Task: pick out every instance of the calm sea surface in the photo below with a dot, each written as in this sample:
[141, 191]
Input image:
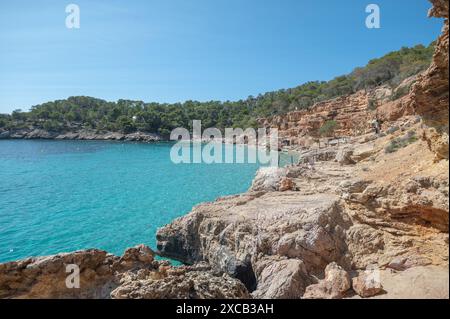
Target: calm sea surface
[61, 196]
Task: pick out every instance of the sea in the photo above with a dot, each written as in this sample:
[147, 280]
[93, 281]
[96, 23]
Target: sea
[63, 196]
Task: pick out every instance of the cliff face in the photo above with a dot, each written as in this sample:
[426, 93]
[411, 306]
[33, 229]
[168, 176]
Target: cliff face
[430, 93]
[101, 275]
[376, 202]
[349, 111]
[376, 209]
[352, 113]
[429, 96]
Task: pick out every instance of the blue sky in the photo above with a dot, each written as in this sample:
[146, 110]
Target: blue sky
[176, 50]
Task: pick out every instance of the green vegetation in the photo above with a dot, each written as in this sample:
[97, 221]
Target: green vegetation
[128, 116]
[400, 92]
[401, 142]
[372, 105]
[328, 128]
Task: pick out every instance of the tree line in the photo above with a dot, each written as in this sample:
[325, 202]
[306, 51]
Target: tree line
[128, 116]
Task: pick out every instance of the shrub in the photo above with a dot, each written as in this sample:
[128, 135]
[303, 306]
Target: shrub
[401, 142]
[328, 128]
[125, 124]
[51, 125]
[392, 129]
[400, 92]
[372, 106]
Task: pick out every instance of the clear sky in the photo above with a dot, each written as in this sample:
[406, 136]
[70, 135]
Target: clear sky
[176, 50]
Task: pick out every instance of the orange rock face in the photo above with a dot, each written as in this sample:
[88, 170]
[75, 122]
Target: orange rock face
[429, 96]
[350, 112]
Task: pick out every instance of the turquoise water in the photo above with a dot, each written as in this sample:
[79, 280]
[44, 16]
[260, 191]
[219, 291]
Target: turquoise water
[61, 196]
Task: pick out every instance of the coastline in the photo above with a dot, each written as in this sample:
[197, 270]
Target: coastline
[88, 135]
[365, 220]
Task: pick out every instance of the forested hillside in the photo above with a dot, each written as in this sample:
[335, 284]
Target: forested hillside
[128, 116]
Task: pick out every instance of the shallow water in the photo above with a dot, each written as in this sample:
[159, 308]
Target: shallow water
[61, 196]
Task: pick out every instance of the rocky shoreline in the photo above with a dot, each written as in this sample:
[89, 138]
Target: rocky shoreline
[87, 135]
[297, 224]
[135, 275]
[362, 219]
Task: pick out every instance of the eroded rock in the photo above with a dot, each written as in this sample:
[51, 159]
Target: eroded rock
[281, 279]
[368, 283]
[198, 282]
[334, 286]
[101, 275]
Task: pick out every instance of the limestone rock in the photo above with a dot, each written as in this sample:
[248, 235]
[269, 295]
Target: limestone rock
[80, 134]
[429, 96]
[134, 275]
[363, 151]
[137, 257]
[318, 155]
[197, 282]
[45, 277]
[281, 279]
[367, 284]
[286, 184]
[343, 156]
[350, 112]
[235, 234]
[334, 286]
[268, 179]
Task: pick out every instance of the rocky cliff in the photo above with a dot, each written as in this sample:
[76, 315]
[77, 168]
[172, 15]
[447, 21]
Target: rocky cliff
[352, 113]
[316, 230]
[429, 96]
[361, 218]
[135, 275]
[366, 209]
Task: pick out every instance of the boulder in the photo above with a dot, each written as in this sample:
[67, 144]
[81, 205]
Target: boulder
[368, 283]
[281, 279]
[363, 152]
[343, 156]
[268, 179]
[186, 282]
[318, 155]
[334, 286]
[5, 135]
[286, 184]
